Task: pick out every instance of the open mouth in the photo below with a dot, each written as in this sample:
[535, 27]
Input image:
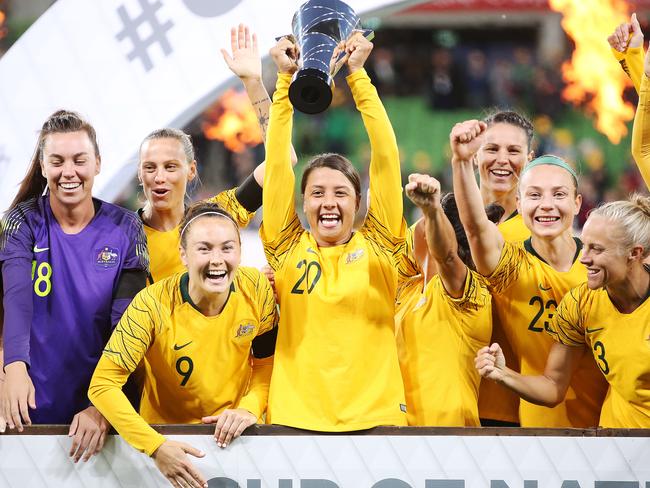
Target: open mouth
[216, 276]
[592, 272]
[329, 220]
[547, 219]
[70, 186]
[501, 173]
[160, 192]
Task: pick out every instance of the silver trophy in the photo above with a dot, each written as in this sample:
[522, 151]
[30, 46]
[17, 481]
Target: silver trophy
[318, 27]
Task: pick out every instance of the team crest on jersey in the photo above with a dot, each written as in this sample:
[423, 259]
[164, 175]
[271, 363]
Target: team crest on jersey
[245, 329]
[107, 257]
[354, 256]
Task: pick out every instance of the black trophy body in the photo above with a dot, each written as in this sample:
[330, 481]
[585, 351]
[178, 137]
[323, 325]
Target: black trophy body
[318, 26]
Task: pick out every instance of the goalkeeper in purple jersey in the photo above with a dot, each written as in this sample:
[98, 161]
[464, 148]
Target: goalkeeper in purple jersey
[70, 266]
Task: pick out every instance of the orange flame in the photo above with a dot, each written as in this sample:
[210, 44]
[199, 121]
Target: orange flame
[3, 30]
[591, 75]
[232, 120]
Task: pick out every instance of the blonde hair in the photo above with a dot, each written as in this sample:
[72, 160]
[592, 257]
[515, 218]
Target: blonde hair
[633, 219]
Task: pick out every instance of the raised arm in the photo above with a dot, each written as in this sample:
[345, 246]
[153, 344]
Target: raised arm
[548, 389]
[385, 175]
[424, 191]
[485, 240]
[627, 47]
[641, 128]
[279, 179]
[246, 63]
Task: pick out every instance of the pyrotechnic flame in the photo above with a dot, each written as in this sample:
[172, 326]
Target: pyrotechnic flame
[3, 30]
[232, 120]
[592, 76]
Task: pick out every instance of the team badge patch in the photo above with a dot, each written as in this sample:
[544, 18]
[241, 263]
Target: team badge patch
[244, 330]
[107, 257]
[354, 256]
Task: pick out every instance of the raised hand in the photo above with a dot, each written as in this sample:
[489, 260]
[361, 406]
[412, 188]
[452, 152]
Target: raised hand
[626, 35]
[230, 424]
[245, 61]
[490, 362]
[357, 50]
[172, 461]
[466, 138]
[423, 191]
[19, 395]
[285, 55]
[88, 431]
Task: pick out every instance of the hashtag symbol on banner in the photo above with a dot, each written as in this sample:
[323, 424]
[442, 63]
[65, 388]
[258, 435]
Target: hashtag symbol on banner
[141, 45]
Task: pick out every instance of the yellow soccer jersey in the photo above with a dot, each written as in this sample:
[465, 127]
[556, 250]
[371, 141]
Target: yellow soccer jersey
[496, 402]
[437, 340]
[525, 293]
[641, 131]
[194, 365]
[632, 63]
[620, 344]
[164, 254]
[336, 365]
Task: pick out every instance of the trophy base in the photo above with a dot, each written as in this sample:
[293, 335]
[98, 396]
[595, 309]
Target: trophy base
[310, 91]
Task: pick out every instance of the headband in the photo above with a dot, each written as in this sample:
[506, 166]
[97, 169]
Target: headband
[549, 159]
[221, 214]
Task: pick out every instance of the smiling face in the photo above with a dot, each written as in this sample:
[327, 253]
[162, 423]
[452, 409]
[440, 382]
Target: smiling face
[165, 172]
[606, 261]
[330, 204]
[548, 201]
[211, 254]
[69, 164]
[502, 157]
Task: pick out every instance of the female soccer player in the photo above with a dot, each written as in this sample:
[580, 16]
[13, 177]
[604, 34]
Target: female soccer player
[610, 314]
[204, 338]
[528, 279]
[440, 321]
[70, 266]
[505, 150]
[336, 366]
[167, 166]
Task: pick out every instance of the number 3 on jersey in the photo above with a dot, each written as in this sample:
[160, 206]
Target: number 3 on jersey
[308, 279]
[43, 282]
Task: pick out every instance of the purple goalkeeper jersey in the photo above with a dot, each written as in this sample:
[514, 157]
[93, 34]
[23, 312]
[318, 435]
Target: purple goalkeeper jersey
[74, 279]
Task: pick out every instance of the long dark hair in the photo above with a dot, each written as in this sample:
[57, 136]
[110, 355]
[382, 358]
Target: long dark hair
[448, 202]
[61, 121]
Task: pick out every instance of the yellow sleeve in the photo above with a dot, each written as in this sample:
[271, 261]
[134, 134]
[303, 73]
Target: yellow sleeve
[280, 225]
[256, 397]
[475, 295]
[385, 175]
[409, 266]
[641, 131]
[632, 63]
[227, 200]
[267, 305]
[566, 326]
[106, 394]
[507, 271]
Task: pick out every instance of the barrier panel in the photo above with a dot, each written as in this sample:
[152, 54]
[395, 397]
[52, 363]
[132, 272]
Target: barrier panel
[385, 457]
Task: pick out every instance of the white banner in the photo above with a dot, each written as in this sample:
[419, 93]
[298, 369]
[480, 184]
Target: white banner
[344, 461]
[128, 66]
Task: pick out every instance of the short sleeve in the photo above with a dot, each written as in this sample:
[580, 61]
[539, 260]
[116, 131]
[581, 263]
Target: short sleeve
[227, 200]
[475, 294]
[566, 327]
[267, 306]
[135, 331]
[513, 257]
